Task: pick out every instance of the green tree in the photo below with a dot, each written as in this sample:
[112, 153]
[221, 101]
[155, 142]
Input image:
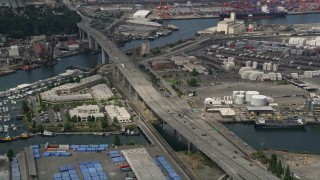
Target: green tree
[56, 108]
[10, 154]
[194, 72]
[68, 126]
[90, 118]
[104, 124]
[116, 140]
[115, 119]
[279, 169]
[40, 128]
[287, 174]
[193, 82]
[34, 124]
[210, 71]
[273, 163]
[131, 142]
[24, 106]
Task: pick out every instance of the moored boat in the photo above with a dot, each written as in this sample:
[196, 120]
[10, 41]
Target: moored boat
[8, 138]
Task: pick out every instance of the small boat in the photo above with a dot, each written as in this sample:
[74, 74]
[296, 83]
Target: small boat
[14, 128]
[1, 129]
[98, 133]
[25, 135]
[8, 138]
[12, 125]
[47, 133]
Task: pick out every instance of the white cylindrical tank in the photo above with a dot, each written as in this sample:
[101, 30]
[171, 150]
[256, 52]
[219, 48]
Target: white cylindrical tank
[269, 66]
[249, 94]
[254, 65]
[258, 100]
[208, 101]
[248, 63]
[275, 67]
[264, 67]
[239, 99]
[235, 93]
[270, 100]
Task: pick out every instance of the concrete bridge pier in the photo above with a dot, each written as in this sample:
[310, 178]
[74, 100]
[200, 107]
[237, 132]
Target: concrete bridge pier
[179, 137]
[189, 147]
[90, 42]
[103, 56]
[96, 45]
[80, 33]
[83, 35]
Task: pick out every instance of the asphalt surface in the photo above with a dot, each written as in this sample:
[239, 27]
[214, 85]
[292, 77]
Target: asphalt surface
[191, 126]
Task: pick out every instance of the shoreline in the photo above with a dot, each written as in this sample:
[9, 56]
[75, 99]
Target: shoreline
[217, 16]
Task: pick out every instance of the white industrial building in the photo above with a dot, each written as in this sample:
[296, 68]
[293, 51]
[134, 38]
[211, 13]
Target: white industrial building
[14, 51]
[86, 110]
[68, 92]
[101, 92]
[143, 21]
[200, 69]
[231, 25]
[120, 112]
[141, 14]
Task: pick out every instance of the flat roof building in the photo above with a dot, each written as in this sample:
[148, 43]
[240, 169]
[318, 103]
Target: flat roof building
[120, 112]
[101, 92]
[259, 110]
[141, 14]
[67, 92]
[142, 164]
[86, 110]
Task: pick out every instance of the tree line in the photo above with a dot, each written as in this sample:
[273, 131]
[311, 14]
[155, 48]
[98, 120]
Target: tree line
[20, 23]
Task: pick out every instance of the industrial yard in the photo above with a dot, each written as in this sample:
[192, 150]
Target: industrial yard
[93, 161]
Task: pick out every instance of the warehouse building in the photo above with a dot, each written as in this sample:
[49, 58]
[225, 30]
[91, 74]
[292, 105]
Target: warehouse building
[119, 112]
[101, 92]
[259, 111]
[68, 93]
[85, 111]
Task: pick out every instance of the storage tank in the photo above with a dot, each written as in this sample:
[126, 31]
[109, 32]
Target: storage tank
[275, 67]
[239, 99]
[254, 65]
[208, 101]
[249, 94]
[235, 93]
[258, 100]
[264, 67]
[248, 63]
[269, 66]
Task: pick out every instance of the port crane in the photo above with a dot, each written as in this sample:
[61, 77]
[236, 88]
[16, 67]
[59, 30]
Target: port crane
[163, 11]
[49, 59]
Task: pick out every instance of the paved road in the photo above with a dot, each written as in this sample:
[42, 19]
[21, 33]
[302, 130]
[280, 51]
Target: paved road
[193, 128]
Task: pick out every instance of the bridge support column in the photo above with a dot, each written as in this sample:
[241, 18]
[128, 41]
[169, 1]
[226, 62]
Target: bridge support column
[163, 125]
[179, 137]
[80, 33]
[103, 56]
[96, 45]
[83, 35]
[189, 147]
[90, 42]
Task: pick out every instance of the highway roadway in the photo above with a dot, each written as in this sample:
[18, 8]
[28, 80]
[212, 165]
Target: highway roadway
[192, 127]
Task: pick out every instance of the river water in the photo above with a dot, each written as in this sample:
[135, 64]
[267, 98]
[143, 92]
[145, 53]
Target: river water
[187, 29]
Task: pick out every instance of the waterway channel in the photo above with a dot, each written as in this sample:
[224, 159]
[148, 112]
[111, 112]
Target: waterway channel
[188, 28]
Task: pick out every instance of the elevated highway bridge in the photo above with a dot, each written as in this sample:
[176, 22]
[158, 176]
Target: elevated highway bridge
[176, 113]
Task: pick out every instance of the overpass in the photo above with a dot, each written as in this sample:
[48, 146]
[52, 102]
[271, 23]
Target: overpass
[176, 113]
